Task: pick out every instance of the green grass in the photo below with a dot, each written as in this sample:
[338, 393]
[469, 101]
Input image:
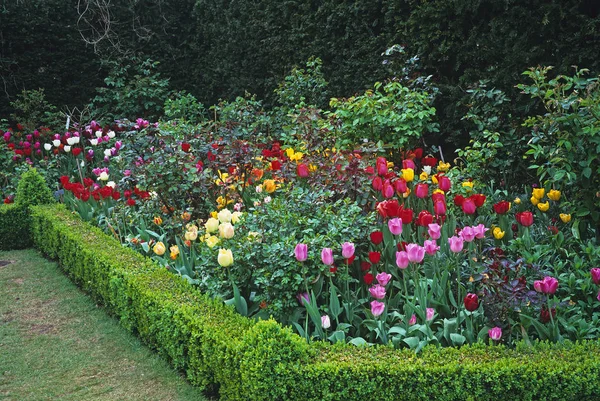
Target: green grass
[56, 344]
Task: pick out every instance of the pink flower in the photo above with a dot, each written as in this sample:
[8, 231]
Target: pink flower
[598, 297]
[347, 250]
[549, 285]
[434, 231]
[431, 247]
[595, 272]
[416, 253]
[413, 320]
[377, 291]
[395, 226]
[430, 313]
[537, 285]
[402, 259]
[480, 230]
[468, 206]
[456, 244]
[495, 333]
[439, 208]
[327, 256]
[467, 234]
[303, 297]
[388, 190]
[301, 252]
[377, 308]
[421, 190]
[325, 322]
[408, 163]
[383, 278]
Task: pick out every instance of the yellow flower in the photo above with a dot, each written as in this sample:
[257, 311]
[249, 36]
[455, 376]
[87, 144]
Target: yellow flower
[225, 257]
[408, 174]
[226, 230]
[224, 216]
[565, 217]
[192, 233]
[423, 176]
[159, 249]
[517, 201]
[235, 217]
[405, 194]
[211, 225]
[294, 156]
[213, 214]
[222, 202]
[212, 241]
[443, 166]
[222, 178]
[253, 236]
[434, 179]
[468, 185]
[390, 165]
[174, 251]
[158, 221]
[554, 195]
[269, 186]
[438, 191]
[534, 200]
[498, 233]
[312, 168]
[538, 193]
[543, 206]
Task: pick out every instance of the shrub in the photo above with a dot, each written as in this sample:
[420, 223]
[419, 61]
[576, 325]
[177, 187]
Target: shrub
[14, 230]
[33, 190]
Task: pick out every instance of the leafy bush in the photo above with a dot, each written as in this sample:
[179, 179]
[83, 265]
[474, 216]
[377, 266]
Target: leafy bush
[14, 227]
[32, 111]
[33, 190]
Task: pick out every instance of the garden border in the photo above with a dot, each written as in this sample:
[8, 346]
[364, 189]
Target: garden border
[222, 351]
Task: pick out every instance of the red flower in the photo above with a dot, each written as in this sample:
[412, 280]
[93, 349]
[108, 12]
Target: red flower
[524, 218]
[332, 269]
[302, 170]
[76, 151]
[377, 237]
[429, 161]
[370, 170]
[471, 302]
[106, 191]
[374, 257]
[389, 209]
[364, 266]
[478, 199]
[444, 183]
[406, 215]
[350, 260]
[127, 193]
[425, 218]
[553, 229]
[130, 202]
[501, 207]
[387, 191]
[377, 183]
[382, 168]
[368, 278]
[275, 165]
[439, 208]
[85, 195]
[422, 190]
[458, 200]
[88, 182]
[545, 315]
[400, 186]
[185, 147]
[64, 180]
[116, 195]
[468, 206]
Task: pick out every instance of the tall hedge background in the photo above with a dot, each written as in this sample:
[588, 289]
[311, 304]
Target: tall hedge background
[222, 48]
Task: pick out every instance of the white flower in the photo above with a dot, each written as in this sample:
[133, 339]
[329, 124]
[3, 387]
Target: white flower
[56, 143]
[94, 142]
[67, 148]
[267, 199]
[47, 146]
[71, 141]
[76, 140]
[111, 134]
[83, 163]
[427, 169]
[107, 152]
[103, 176]
[111, 184]
[98, 134]
[258, 189]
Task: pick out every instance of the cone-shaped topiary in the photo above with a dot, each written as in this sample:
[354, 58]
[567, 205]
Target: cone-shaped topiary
[33, 190]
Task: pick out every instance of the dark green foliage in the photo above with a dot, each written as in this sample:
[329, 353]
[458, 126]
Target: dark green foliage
[33, 190]
[14, 230]
[32, 111]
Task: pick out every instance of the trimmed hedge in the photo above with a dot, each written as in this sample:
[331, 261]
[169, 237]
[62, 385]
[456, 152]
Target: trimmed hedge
[14, 227]
[242, 360]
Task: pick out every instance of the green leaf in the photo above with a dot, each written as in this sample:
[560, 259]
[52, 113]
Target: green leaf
[457, 339]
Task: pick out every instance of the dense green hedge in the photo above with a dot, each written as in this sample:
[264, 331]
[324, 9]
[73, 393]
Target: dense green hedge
[225, 352]
[14, 227]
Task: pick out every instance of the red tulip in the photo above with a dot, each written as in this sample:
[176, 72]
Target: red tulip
[368, 278]
[424, 219]
[374, 257]
[444, 183]
[468, 206]
[545, 315]
[382, 168]
[377, 184]
[407, 163]
[458, 200]
[302, 170]
[478, 199]
[377, 237]
[364, 266]
[471, 302]
[185, 147]
[429, 161]
[387, 191]
[400, 186]
[406, 215]
[390, 208]
[502, 207]
[524, 218]
[439, 208]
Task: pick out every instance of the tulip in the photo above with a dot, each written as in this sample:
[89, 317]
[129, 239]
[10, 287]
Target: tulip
[459, 200]
[377, 308]
[374, 257]
[538, 193]
[430, 312]
[327, 256]
[400, 186]
[368, 278]
[224, 216]
[303, 297]
[376, 237]
[236, 217]
[554, 195]
[415, 252]
[347, 250]
[226, 230]
[534, 201]
[468, 185]
[434, 231]
[422, 190]
[388, 190]
[502, 207]
[402, 259]
[413, 320]
[212, 241]
[408, 174]
[456, 244]
[431, 247]
[395, 226]
[377, 183]
[495, 333]
[498, 233]
[47, 146]
[468, 206]
[211, 225]
[174, 252]
[382, 167]
[56, 143]
[595, 272]
[548, 285]
[325, 322]
[383, 278]
[302, 171]
[524, 218]
[159, 248]
[377, 291]
[444, 183]
[158, 221]
[545, 315]
[443, 166]
[565, 218]
[598, 297]
[269, 186]
[480, 230]
[471, 302]
[424, 218]
[439, 208]
[225, 257]
[467, 234]
[543, 206]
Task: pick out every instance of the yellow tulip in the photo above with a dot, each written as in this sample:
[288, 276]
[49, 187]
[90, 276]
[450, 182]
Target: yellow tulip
[565, 217]
[226, 230]
[390, 165]
[192, 234]
[517, 201]
[434, 179]
[174, 251]
[225, 257]
[408, 174]
[498, 233]
[443, 166]
[159, 249]
[269, 186]
[534, 200]
[554, 195]
[235, 217]
[158, 221]
[211, 225]
[254, 236]
[312, 168]
[468, 185]
[423, 176]
[212, 241]
[543, 206]
[438, 191]
[538, 193]
[224, 216]
[405, 194]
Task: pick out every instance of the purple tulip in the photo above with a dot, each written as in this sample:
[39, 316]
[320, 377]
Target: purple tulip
[402, 259]
[383, 278]
[377, 291]
[327, 256]
[301, 252]
[431, 247]
[595, 272]
[495, 333]
[456, 244]
[434, 231]
[395, 226]
[347, 250]
[430, 312]
[415, 252]
[377, 308]
[303, 297]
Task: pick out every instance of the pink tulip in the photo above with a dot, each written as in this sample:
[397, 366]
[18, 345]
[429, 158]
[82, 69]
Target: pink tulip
[537, 285]
[421, 190]
[395, 226]
[431, 247]
[303, 297]
[444, 183]
[382, 168]
[400, 186]
[595, 272]
[416, 253]
[388, 190]
[434, 231]
[383, 278]
[301, 252]
[377, 184]
[468, 206]
[598, 297]
[467, 234]
[325, 322]
[430, 313]
[347, 250]
[377, 308]
[495, 333]
[327, 256]
[377, 291]
[402, 259]
[413, 320]
[456, 244]
[408, 163]
[549, 285]
[439, 208]
[480, 230]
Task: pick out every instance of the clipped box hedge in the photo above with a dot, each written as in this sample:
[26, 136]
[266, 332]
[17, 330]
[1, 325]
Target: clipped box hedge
[223, 352]
[14, 227]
